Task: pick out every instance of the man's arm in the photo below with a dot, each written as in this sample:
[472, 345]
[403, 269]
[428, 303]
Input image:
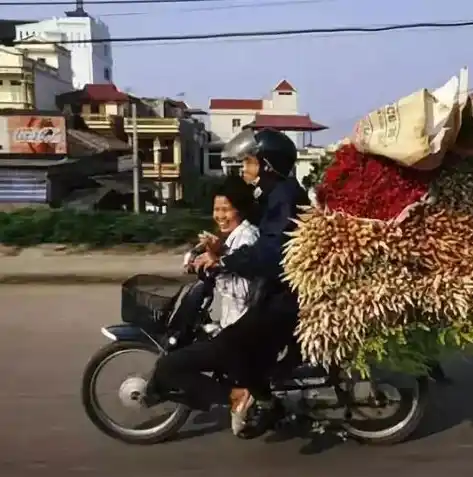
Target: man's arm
[262, 259]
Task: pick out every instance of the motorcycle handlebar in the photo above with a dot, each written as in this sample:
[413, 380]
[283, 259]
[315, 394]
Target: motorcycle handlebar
[208, 275]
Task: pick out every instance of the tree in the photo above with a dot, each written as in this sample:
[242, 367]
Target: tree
[317, 171]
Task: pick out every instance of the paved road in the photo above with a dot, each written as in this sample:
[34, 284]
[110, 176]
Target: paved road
[46, 337]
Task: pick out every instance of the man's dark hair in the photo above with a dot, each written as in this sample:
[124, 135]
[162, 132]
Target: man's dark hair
[240, 195]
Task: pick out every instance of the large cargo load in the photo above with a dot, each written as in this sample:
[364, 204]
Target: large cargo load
[383, 263]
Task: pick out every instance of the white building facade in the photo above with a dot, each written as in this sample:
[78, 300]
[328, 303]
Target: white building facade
[31, 75]
[228, 116]
[91, 62]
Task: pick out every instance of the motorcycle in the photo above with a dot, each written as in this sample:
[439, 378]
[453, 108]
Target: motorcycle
[384, 409]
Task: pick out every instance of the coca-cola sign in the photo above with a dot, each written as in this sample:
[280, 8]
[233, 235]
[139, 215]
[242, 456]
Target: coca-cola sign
[47, 135]
[27, 134]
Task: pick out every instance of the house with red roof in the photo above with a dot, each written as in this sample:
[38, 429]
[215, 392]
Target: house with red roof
[228, 116]
[170, 138]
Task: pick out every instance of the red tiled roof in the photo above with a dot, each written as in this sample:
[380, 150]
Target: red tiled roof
[252, 104]
[285, 122]
[104, 93]
[284, 85]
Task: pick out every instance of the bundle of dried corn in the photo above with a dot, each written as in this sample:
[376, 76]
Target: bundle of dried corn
[360, 281]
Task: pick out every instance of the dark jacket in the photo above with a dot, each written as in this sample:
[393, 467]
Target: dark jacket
[258, 336]
[263, 258]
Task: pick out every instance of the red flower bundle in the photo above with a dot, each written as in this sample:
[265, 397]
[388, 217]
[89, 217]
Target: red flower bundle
[364, 185]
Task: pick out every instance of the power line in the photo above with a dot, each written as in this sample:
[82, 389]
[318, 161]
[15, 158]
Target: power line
[258, 4]
[263, 33]
[101, 2]
[225, 6]
[263, 39]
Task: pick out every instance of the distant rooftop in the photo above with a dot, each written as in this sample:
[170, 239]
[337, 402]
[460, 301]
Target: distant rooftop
[285, 122]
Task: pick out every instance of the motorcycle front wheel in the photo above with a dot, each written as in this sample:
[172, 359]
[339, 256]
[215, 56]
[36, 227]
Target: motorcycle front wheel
[398, 419]
[130, 393]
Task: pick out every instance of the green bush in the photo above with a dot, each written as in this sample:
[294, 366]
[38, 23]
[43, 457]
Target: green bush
[411, 349]
[28, 227]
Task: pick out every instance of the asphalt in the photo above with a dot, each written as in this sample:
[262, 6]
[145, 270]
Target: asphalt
[48, 333]
[33, 266]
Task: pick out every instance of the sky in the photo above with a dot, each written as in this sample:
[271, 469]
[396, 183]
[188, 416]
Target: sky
[339, 78]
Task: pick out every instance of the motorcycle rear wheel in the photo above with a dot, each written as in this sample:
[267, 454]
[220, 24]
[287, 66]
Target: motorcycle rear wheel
[415, 404]
[103, 422]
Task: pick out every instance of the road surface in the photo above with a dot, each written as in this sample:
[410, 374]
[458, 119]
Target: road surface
[46, 337]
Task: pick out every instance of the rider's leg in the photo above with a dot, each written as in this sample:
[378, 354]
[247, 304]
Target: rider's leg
[256, 410]
[261, 413]
[182, 370]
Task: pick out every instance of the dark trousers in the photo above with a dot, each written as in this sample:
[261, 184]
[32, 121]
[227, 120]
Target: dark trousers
[183, 370]
[244, 352]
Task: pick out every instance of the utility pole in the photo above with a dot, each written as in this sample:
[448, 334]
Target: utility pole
[136, 163]
[160, 180]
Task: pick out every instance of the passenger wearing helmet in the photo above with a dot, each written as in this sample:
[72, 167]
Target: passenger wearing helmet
[268, 158]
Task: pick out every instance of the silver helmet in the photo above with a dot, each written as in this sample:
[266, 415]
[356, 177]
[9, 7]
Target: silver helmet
[275, 151]
[242, 145]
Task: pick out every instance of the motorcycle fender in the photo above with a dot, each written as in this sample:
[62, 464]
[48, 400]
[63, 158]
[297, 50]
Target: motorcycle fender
[126, 332]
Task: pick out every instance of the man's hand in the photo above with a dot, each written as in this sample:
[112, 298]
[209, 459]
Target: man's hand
[205, 261]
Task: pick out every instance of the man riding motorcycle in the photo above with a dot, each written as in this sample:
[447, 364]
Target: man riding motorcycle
[249, 348]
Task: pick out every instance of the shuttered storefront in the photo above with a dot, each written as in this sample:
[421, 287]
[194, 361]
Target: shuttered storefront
[18, 186]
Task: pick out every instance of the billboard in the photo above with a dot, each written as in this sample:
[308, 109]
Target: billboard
[33, 134]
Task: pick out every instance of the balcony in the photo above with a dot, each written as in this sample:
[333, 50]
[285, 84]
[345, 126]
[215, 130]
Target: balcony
[153, 125]
[97, 122]
[168, 171]
[311, 153]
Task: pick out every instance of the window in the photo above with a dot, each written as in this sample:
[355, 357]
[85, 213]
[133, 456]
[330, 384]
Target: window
[106, 50]
[41, 60]
[236, 123]
[1, 82]
[94, 108]
[215, 161]
[106, 74]
[15, 83]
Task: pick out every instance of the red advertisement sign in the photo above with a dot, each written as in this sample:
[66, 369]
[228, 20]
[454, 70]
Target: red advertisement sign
[33, 135]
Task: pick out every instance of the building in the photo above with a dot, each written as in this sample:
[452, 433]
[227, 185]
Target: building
[227, 117]
[47, 159]
[91, 62]
[32, 74]
[171, 141]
